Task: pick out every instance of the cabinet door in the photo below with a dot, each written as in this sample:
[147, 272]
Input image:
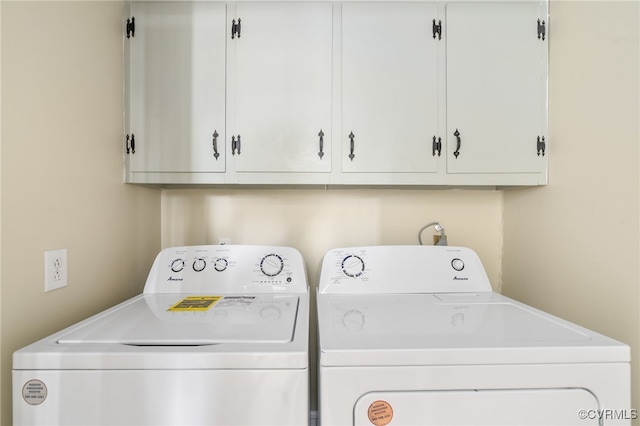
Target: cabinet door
[177, 87]
[282, 87]
[390, 87]
[496, 87]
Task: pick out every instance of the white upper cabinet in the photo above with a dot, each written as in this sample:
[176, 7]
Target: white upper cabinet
[389, 87]
[496, 88]
[280, 87]
[446, 93]
[176, 85]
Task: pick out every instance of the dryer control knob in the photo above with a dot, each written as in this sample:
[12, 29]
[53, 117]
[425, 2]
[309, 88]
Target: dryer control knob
[352, 266]
[457, 264]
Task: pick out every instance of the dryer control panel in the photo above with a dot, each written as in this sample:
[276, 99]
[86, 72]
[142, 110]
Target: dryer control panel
[228, 269]
[402, 269]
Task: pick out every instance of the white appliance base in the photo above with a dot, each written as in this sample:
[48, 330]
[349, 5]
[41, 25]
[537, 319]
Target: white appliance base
[163, 397]
[549, 394]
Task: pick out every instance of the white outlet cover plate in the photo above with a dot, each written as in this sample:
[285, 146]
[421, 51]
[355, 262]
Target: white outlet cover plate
[55, 269]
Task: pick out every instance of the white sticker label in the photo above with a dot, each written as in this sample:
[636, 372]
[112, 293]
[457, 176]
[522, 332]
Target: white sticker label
[236, 301]
[34, 392]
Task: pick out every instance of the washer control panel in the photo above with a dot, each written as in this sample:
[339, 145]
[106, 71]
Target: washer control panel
[227, 268]
[402, 269]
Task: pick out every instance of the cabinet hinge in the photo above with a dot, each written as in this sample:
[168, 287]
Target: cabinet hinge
[236, 27]
[542, 30]
[542, 146]
[131, 144]
[437, 29]
[131, 27]
[436, 146]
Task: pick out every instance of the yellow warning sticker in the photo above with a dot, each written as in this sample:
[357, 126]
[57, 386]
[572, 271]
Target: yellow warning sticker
[195, 304]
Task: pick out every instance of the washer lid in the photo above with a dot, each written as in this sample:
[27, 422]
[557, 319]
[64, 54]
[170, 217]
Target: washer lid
[193, 320]
[446, 329]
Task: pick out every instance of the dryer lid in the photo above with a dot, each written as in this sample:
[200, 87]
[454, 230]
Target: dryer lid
[193, 320]
[460, 328]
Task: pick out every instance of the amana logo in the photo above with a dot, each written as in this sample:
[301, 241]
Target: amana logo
[456, 278]
[175, 279]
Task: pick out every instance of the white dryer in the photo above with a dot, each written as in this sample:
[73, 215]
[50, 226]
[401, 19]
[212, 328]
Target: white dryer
[219, 336]
[414, 335]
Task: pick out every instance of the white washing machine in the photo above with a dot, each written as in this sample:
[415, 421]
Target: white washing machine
[414, 335]
[218, 337]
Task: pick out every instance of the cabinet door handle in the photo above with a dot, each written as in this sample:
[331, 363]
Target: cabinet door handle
[352, 146]
[215, 144]
[321, 144]
[436, 146]
[458, 143]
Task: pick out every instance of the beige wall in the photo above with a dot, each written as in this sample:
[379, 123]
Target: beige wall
[61, 182]
[571, 248]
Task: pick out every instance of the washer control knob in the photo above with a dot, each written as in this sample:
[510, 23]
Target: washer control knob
[199, 264]
[177, 265]
[220, 264]
[352, 266]
[457, 264]
[271, 265]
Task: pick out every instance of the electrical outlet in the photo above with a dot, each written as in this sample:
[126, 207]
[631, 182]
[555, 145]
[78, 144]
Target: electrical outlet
[55, 269]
